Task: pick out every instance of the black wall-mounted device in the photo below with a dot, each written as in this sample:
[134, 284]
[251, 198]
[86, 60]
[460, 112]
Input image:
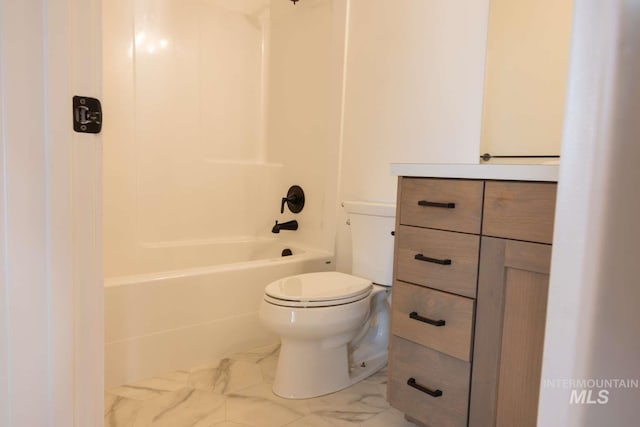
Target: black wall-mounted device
[87, 114]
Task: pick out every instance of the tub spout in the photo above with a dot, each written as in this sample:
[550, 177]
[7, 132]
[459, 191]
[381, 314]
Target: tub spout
[289, 225]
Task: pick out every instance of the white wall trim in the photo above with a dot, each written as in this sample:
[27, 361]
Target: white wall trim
[58, 137]
[86, 79]
[51, 334]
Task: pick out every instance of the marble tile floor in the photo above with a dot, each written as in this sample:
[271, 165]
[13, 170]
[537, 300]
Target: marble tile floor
[236, 392]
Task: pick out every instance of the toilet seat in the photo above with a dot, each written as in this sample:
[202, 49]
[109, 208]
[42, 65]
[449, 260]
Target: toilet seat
[324, 289]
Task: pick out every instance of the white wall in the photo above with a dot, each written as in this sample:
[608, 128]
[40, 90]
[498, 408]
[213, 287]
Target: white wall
[592, 315]
[527, 71]
[413, 93]
[347, 88]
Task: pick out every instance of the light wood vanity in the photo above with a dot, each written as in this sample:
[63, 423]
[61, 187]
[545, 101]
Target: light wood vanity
[471, 273]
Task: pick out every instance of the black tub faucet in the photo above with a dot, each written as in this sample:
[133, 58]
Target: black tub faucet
[289, 225]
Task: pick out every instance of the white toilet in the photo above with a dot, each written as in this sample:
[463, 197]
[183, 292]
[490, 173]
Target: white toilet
[334, 327]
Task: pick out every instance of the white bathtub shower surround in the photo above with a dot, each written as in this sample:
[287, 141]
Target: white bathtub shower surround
[174, 319]
[184, 87]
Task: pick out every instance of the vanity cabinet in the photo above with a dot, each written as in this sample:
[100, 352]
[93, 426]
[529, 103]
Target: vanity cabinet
[471, 273]
[509, 333]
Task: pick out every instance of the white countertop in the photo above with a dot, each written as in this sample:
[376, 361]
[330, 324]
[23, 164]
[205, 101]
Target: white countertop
[509, 172]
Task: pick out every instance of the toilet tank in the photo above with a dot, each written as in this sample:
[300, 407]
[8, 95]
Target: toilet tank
[371, 240]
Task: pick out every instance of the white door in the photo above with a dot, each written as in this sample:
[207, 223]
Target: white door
[51, 293]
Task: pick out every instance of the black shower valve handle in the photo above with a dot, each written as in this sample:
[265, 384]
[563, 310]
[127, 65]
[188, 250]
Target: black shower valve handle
[291, 199]
[294, 199]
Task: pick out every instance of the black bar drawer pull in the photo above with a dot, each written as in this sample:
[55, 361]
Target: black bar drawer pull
[415, 316]
[411, 382]
[436, 204]
[421, 257]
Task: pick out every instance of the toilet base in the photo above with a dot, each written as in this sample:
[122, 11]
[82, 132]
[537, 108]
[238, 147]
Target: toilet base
[306, 370]
[371, 366]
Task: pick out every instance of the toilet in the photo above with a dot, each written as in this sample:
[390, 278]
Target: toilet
[334, 327]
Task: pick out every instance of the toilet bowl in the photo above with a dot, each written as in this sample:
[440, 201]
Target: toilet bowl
[318, 331]
[334, 327]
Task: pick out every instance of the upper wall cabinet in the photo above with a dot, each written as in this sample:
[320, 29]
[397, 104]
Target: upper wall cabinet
[526, 74]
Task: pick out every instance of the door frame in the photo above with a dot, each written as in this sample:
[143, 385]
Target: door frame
[51, 285]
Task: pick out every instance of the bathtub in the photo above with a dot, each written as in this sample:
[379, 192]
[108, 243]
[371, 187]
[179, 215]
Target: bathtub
[176, 318]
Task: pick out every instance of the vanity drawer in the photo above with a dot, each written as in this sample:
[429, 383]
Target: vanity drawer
[434, 371]
[520, 210]
[414, 307]
[447, 204]
[438, 259]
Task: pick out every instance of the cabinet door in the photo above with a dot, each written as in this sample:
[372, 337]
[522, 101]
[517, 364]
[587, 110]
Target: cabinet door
[509, 335]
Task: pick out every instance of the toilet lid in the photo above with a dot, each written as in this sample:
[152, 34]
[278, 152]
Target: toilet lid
[318, 289]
